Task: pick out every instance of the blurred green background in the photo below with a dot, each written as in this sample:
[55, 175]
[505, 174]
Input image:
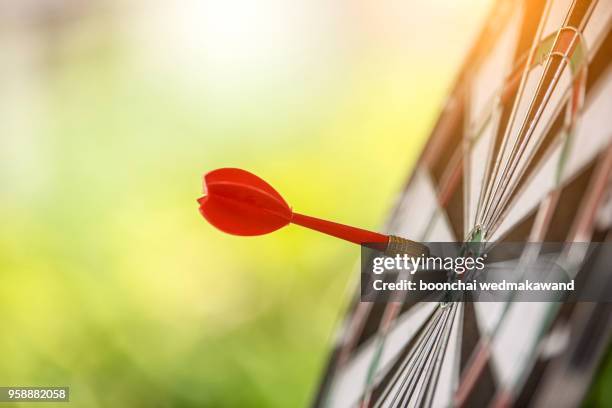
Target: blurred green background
[110, 281]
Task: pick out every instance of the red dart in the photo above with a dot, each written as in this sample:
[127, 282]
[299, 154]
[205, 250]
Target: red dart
[240, 203]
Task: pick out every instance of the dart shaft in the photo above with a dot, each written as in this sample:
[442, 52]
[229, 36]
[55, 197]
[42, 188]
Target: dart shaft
[348, 233]
[389, 243]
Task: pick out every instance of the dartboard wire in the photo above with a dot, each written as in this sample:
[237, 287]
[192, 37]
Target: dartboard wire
[433, 374]
[494, 121]
[572, 113]
[575, 98]
[503, 161]
[491, 227]
[581, 232]
[393, 309]
[521, 89]
[502, 317]
[523, 140]
[493, 103]
[358, 318]
[553, 196]
[475, 138]
[523, 58]
[564, 139]
[415, 365]
[498, 181]
[473, 129]
[415, 368]
[407, 359]
[508, 177]
[390, 315]
[493, 116]
[454, 364]
[477, 360]
[483, 350]
[420, 375]
[418, 347]
[584, 224]
[430, 325]
[492, 113]
[500, 154]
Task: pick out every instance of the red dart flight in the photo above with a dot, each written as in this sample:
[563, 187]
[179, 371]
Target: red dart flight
[240, 203]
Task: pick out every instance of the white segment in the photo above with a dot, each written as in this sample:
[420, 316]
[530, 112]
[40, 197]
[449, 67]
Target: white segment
[490, 76]
[531, 195]
[417, 206]
[591, 136]
[349, 384]
[531, 84]
[441, 230]
[598, 24]
[530, 145]
[399, 386]
[516, 339]
[558, 10]
[478, 157]
[489, 313]
[593, 132]
[449, 373]
[403, 331]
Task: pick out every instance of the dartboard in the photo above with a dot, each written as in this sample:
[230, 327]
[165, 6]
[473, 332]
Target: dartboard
[522, 152]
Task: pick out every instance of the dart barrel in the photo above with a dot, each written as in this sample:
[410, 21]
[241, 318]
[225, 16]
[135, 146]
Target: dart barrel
[398, 245]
